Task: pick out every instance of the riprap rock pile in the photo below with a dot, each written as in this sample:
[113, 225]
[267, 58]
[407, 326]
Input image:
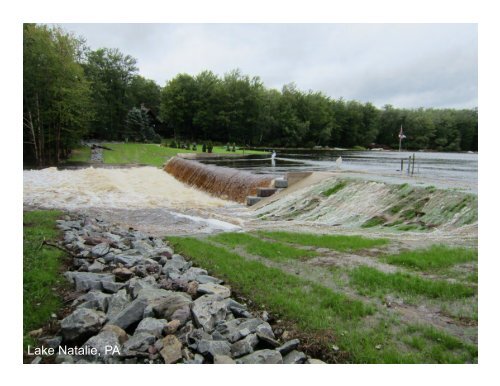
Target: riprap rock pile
[142, 303]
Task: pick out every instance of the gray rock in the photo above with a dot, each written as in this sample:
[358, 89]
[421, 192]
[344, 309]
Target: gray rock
[117, 302]
[136, 285]
[182, 314]
[112, 286]
[119, 332]
[207, 311]
[165, 303]
[262, 357]
[214, 289]
[264, 329]
[244, 346]
[213, 347]
[100, 249]
[127, 260]
[54, 342]
[94, 299]
[106, 343]
[139, 342]
[294, 357]
[143, 246]
[81, 323]
[96, 266]
[236, 329]
[85, 281]
[203, 279]
[152, 326]
[288, 346]
[175, 265]
[133, 312]
[191, 274]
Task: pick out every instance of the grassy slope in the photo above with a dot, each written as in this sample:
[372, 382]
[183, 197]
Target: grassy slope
[41, 270]
[364, 332]
[142, 153]
[337, 242]
[435, 257]
[270, 250]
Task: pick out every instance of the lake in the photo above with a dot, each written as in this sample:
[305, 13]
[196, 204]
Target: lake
[450, 170]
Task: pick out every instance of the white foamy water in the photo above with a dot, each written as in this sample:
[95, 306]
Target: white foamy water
[131, 188]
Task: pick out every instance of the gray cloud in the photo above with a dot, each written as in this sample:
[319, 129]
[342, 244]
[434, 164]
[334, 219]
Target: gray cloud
[407, 65]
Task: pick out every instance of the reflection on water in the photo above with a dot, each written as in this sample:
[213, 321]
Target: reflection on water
[460, 167]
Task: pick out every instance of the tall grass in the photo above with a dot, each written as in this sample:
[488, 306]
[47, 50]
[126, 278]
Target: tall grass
[336, 242]
[41, 265]
[370, 280]
[435, 257]
[271, 250]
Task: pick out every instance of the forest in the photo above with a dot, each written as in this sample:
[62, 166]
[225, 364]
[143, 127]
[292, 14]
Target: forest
[72, 93]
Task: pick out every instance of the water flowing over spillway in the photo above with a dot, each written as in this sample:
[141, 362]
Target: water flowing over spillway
[135, 196]
[223, 182]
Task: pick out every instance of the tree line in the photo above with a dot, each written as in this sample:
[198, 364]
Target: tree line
[72, 93]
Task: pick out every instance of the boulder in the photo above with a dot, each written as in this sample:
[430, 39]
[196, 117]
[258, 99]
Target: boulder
[117, 302]
[120, 333]
[122, 274]
[94, 299]
[214, 289]
[152, 326]
[82, 323]
[213, 347]
[100, 249]
[127, 260]
[85, 281]
[96, 266]
[172, 349]
[244, 346]
[130, 314]
[138, 343]
[294, 357]
[288, 346]
[165, 303]
[262, 357]
[106, 343]
[208, 310]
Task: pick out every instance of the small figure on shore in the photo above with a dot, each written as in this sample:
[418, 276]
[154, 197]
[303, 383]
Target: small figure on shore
[273, 156]
[338, 162]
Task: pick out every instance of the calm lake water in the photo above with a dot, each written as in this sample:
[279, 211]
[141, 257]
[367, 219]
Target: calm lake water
[458, 170]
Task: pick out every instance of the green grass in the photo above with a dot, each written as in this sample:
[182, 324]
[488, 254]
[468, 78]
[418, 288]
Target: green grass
[150, 154]
[41, 266]
[441, 347]
[311, 306]
[362, 334]
[334, 189]
[80, 154]
[336, 242]
[374, 221]
[139, 153]
[271, 250]
[435, 257]
[370, 281]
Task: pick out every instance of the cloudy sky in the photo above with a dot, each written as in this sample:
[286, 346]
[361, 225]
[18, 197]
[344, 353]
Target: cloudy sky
[406, 65]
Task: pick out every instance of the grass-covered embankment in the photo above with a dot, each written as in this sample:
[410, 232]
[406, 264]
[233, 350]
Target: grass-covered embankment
[41, 270]
[341, 309]
[145, 153]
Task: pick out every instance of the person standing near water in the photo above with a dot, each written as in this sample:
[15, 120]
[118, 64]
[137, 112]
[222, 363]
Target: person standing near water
[273, 156]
